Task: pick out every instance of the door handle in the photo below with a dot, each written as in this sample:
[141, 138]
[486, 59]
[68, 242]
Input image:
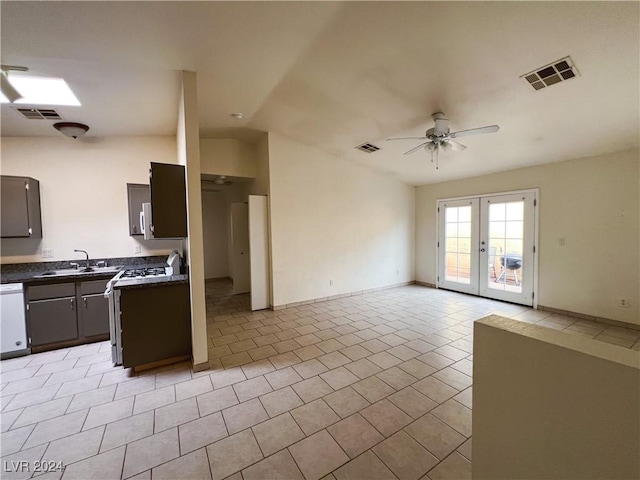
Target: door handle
[84, 299]
[71, 303]
[482, 249]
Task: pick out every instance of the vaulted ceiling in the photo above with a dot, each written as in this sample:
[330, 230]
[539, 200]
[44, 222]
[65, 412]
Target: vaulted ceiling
[333, 75]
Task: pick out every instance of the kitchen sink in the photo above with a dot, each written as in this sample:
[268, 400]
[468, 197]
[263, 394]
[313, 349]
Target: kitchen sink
[79, 272]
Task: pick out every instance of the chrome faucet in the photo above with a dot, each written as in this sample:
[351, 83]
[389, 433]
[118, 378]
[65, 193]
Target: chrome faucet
[87, 254]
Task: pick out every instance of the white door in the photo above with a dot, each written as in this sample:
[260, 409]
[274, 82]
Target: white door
[507, 247]
[259, 251]
[240, 268]
[486, 246]
[458, 255]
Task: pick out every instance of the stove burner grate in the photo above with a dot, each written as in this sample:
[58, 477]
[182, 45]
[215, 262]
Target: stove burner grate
[144, 272]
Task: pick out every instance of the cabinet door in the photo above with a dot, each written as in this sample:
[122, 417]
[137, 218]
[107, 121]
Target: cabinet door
[156, 323]
[137, 194]
[168, 201]
[20, 207]
[52, 321]
[14, 207]
[95, 315]
[33, 207]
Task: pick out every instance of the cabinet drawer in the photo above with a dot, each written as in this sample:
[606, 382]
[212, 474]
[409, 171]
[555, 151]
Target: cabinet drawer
[43, 292]
[93, 286]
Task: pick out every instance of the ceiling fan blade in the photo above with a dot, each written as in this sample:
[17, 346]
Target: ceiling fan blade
[456, 146]
[406, 138]
[415, 149]
[475, 131]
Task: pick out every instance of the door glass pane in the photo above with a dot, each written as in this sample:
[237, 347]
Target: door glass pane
[497, 212]
[458, 244]
[496, 229]
[464, 245]
[515, 210]
[506, 240]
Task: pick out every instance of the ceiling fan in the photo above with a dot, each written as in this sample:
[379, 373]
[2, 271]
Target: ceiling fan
[440, 138]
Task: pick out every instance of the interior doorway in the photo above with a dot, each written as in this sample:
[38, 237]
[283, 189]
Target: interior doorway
[486, 246]
[236, 243]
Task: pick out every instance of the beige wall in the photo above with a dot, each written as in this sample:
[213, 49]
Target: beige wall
[83, 193]
[215, 228]
[261, 184]
[591, 202]
[551, 405]
[188, 150]
[227, 156]
[335, 221]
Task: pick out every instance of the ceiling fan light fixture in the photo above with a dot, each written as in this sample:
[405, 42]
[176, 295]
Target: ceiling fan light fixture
[71, 129]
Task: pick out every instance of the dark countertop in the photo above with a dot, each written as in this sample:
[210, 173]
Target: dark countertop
[27, 272]
[30, 277]
[127, 283]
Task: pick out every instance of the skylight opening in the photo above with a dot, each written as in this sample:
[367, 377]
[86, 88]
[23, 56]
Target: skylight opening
[42, 91]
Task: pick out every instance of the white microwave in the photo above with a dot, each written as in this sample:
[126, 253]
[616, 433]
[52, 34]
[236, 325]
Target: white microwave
[146, 227]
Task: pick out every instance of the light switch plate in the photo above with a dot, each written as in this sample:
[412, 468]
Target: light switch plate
[137, 249]
[47, 253]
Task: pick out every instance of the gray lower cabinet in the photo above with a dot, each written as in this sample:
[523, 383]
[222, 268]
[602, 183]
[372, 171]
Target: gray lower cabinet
[156, 323]
[52, 321]
[94, 312]
[63, 314]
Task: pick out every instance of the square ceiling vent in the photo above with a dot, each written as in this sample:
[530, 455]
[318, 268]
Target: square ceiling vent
[556, 72]
[39, 113]
[368, 147]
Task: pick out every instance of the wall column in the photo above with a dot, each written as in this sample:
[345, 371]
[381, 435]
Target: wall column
[188, 140]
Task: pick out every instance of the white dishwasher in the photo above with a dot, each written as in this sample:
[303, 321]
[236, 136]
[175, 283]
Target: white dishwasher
[12, 321]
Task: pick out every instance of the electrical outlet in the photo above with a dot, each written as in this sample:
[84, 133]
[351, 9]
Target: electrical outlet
[137, 249]
[330, 282]
[561, 241]
[47, 253]
[397, 271]
[623, 303]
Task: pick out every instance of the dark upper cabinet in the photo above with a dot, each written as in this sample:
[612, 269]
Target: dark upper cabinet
[20, 207]
[137, 194]
[168, 201]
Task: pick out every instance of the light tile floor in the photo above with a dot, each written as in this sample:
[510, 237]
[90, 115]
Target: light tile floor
[370, 386]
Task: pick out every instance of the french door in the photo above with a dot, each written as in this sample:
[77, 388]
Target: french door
[486, 246]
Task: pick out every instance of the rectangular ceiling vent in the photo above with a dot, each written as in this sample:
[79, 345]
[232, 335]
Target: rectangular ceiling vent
[555, 72]
[40, 113]
[368, 147]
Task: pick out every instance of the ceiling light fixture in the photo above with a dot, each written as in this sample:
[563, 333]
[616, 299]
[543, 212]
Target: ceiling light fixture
[29, 90]
[44, 91]
[9, 91]
[237, 116]
[71, 129]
